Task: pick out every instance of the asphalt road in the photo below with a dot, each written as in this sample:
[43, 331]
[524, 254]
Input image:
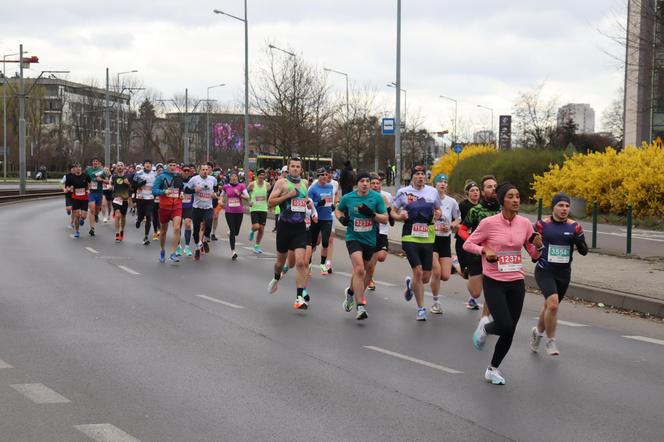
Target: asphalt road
[101, 342]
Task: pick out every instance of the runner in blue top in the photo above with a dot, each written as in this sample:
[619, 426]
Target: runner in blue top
[360, 211]
[554, 267]
[322, 195]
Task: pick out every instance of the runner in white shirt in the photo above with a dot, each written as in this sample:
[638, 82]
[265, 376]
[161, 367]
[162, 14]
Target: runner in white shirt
[202, 186]
[143, 182]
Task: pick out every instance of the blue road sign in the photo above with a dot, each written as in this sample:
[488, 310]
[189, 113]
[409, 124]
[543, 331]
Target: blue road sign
[387, 126]
[458, 148]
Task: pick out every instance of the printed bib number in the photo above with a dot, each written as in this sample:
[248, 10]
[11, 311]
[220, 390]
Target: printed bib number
[118, 200]
[328, 200]
[362, 225]
[92, 186]
[234, 202]
[298, 205]
[107, 187]
[260, 198]
[420, 230]
[186, 198]
[559, 254]
[172, 193]
[510, 262]
[442, 229]
[79, 192]
[205, 195]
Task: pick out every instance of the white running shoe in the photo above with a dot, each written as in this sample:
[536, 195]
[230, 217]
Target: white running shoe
[436, 309]
[535, 339]
[361, 313]
[273, 286]
[552, 348]
[479, 336]
[494, 376]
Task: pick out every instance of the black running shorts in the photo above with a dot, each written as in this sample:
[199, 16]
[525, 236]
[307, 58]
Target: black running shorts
[382, 243]
[442, 246]
[291, 236]
[356, 246]
[552, 282]
[418, 254]
[259, 218]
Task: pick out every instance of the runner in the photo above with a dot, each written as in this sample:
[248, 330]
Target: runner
[215, 201]
[472, 192]
[97, 179]
[107, 194]
[554, 268]
[290, 194]
[382, 241]
[337, 198]
[159, 169]
[187, 209]
[203, 188]
[447, 222]
[416, 205]
[259, 190]
[68, 196]
[499, 240]
[77, 185]
[277, 209]
[360, 211]
[143, 182]
[168, 186]
[487, 206]
[234, 192]
[322, 196]
[120, 200]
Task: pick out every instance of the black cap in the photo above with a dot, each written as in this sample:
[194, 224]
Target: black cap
[417, 169]
[502, 191]
[361, 175]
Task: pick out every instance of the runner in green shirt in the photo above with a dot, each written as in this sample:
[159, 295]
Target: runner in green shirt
[258, 190]
[97, 180]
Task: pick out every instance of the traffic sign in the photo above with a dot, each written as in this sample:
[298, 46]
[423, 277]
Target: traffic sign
[387, 126]
[458, 148]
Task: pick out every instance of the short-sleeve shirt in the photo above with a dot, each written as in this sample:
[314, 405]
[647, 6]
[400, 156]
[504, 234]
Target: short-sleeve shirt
[120, 188]
[318, 192]
[420, 205]
[95, 186]
[450, 211]
[360, 227]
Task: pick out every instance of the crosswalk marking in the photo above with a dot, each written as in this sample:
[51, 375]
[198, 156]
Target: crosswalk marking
[105, 433]
[40, 394]
[415, 360]
[646, 339]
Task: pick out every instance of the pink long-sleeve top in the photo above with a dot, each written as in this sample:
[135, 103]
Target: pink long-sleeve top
[506, 238]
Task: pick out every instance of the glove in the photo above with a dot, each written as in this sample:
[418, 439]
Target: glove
[389, 216]
[344, 221]
[364, 210]
[333, 207]
[320, 203]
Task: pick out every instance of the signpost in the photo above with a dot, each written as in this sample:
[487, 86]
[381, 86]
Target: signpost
[505, 132]
[458, 148]
[387, 126]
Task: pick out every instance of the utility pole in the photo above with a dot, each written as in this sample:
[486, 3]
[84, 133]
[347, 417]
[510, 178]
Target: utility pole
[21, 125]
[397, 129]
[186, 126]
[107, 131]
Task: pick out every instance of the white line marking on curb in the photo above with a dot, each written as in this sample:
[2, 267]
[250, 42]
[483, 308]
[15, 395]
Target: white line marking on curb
[567, 323]
[415, 360]
[3, 364]
[128, 270]
[105, 433]
[91, 250]
[40, 394]
[219, 301]
[386, 284]
[644, 339]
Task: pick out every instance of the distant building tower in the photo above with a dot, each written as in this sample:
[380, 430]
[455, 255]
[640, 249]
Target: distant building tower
[581, 114]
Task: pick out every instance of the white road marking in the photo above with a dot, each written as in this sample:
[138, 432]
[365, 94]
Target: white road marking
[3, 364]
[251, 249]
[415, 360]
[91, 250]
[567, 323]
[105, 433]
[128, 270]
[40, 394]
[645, 339]
[219, 301]
[385, 284]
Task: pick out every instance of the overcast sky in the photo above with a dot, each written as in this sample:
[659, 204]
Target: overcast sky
[477, 51]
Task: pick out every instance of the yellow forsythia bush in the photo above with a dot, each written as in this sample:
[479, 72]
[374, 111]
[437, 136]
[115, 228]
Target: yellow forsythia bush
[448, 162]
[614, 179]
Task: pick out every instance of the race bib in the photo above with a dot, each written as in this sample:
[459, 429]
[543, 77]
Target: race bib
[118, 200]
[298, 205]
[205, 195]
[559, 254]
[328, 200]
[362, 225]
[186, 198]
[260, 198]
[79, 192]
[509, 262]
[234, 202]
[92, 186]
[442, 229]
[172, 193]
[420, 230]
[107, 187]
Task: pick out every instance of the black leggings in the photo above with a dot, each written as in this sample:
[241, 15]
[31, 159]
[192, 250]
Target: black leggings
[234, 221]
[155, 217]
[505, 302]
[144, 210]
[202, 216]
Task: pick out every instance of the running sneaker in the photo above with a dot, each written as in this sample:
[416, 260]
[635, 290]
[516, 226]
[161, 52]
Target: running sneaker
[206, 247]
[162, 256]
[146, 241]
[155, 236]
[105, 220]
[97, 219]
[76, 234]
[494, 376]
[421, 314]
[81, 222]
[138, 223]
[471, 304]
[214, 237]
[251, 235]
[300, 303]
[323, 269]
[328, 264]
[71, 226]
[234, 256]
[197, 254]
[479, 335]
[349, 302]
[305, 295]
[361, 312]
[535, 339]
[552, 348]
[408, 292]
[273, 286]
[187, 250]
[92, 232]
[372, 285]
[121, 236]
[174, 257]
[178, 251]
[258, 249]
[117, 237]
[284, 270]
[436, 309]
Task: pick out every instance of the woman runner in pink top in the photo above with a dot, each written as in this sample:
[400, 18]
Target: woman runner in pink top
[235, 192]
[500, 239]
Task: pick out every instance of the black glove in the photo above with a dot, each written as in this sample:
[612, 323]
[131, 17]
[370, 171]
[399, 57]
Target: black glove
[364, 210]
[344, 220]
[333, 207]
[389, 216]
[139, 183]
[320, 203]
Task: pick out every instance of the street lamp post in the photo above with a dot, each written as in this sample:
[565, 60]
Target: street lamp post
[493, 133]
[117, 120]
[397, 129]
[398, 120]
[246, 80]
[4, 113]
[456, 108]
[207, 121]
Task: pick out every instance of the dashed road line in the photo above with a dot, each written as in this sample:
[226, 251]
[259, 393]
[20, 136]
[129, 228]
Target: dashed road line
[415, 360]
[40, 394]
[219, 301]
[105, 433]
[385, 284]
[646, 339]
[128, 270]
[3, 364]
[567, 323]
[91, 250]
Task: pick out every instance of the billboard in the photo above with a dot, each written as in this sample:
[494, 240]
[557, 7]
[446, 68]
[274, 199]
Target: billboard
[505, 132]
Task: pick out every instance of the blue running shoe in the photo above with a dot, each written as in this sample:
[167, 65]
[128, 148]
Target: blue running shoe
[408, 293]
[251, 235]
[82, 222]
[174, 257]
[472, 304]
[162, 256]
[77, 234]
[421, 314]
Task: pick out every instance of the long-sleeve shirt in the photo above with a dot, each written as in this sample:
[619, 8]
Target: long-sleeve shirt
[168, 187]
[559, 238]
[506, 238]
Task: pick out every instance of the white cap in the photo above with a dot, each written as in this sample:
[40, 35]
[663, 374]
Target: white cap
[284, 169]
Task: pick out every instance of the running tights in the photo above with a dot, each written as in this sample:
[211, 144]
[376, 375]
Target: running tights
[144, 210]
[234, 221]
[155, 217]
[505, 302]
[202, 216]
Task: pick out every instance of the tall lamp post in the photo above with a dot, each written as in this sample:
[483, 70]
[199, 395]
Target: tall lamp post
[456, 109]
[207, 121]
[117, 119]
[398, 120]
[246, 79]
[493, 133]
[4, 113]
[397, 129]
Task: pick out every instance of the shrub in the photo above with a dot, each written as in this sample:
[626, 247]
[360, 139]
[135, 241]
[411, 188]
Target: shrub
[448, 162]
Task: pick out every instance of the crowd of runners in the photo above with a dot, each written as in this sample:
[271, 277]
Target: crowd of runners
[489, 234]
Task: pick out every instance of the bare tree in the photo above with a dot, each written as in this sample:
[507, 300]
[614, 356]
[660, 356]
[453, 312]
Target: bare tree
[535, 117]
[613, 118]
